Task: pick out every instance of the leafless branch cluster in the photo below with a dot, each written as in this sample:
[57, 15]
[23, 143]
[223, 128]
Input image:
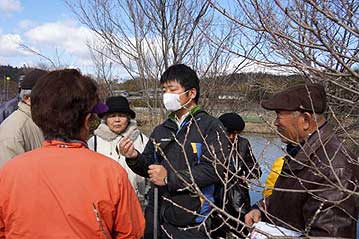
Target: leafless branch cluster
[50, 63]
[228, 175]
[318, 40]
[146, 36]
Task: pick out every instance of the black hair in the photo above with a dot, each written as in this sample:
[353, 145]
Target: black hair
[184, 75]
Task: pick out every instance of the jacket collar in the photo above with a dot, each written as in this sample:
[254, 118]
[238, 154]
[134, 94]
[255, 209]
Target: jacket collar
[58, 143]
[310, 146]
[192, 111]
[25, 108]
[107, 134]
[171, 121]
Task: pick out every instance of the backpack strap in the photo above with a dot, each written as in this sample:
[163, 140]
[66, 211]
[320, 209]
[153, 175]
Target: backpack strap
[95, 143]
[141, 138]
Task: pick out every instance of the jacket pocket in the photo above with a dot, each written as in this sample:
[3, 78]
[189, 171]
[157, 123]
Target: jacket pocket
[173, 211]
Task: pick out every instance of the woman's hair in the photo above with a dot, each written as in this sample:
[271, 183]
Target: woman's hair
[60, 102]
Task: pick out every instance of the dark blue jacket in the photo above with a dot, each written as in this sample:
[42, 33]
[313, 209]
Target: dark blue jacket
[187, 151]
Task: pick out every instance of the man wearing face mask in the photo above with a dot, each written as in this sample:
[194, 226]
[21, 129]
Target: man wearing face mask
[179, 158]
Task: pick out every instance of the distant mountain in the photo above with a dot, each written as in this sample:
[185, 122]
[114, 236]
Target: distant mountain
[12, 72]
[9, 88]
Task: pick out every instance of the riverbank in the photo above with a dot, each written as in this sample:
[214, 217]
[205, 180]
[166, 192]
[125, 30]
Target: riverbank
[256, 125]
[147, 120]
[256, 122]
[258, 128]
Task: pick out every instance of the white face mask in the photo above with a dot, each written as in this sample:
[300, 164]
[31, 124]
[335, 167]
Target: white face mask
[171, 101]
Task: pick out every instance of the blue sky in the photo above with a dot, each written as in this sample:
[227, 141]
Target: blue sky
[39, 11]
[49, 27]
[46, 26]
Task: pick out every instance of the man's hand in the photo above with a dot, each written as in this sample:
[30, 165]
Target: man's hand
[157, 174]
[127, 149]
[252, 217]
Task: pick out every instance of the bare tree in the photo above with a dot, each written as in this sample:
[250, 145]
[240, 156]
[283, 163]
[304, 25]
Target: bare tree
[50, 63]
[316, 39]
[103, 68]
[319, 39]
[147, 36]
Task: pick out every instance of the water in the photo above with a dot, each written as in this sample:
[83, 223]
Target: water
[266, 150]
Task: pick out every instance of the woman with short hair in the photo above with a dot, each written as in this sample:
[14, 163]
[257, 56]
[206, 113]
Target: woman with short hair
[118, 122]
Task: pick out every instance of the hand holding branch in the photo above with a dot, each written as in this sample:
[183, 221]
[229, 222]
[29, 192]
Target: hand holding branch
[127, 149]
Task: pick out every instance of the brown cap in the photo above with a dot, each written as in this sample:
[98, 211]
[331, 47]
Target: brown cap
[304, 97]
[31, 78]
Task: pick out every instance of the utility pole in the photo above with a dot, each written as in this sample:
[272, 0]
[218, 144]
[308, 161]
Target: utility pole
[3, 90]
[8, 78]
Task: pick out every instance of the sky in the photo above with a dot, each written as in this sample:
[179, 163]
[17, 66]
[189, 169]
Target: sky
[50, 28]
[46, 26]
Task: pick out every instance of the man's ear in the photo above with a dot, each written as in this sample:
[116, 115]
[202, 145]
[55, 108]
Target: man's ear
[27, 100]
[307, 118]
[193, 93]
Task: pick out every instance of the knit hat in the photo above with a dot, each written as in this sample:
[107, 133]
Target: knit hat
[232, 122]
[31, 78]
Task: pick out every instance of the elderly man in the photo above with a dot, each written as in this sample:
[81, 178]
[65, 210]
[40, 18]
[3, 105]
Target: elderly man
[314, 192]
[18, 133]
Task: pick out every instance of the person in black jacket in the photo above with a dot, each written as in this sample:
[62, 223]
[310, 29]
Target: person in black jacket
[244, 158]
[245, 166]
[180, 159]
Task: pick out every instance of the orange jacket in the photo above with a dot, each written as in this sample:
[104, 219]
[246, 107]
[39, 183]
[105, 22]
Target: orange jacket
[56, 192]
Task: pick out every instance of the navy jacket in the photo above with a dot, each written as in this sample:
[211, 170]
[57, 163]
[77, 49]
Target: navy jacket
[189, 153]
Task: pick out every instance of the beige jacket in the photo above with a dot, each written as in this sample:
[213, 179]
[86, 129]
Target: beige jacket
[19, 134]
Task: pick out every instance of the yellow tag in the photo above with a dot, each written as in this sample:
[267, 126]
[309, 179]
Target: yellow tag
[202, 200]
[194, 147]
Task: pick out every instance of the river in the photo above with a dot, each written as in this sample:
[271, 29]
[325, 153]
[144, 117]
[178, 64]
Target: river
[266, 149]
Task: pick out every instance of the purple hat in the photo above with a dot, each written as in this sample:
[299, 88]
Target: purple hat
[100, 108]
